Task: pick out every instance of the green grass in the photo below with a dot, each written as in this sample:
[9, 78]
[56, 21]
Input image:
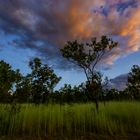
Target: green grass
[73, 121]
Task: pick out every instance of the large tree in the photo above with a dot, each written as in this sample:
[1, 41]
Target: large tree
[43, 80]
[87, 56]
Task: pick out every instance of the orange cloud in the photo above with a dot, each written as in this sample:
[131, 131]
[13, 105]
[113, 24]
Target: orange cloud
[85, 24]
[58, 21]
[132, 30]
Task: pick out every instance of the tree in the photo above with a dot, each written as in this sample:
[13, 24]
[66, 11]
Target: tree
[112, 94]
[87, 56]
[66, 93]
[23, 89]
[43, 80]
[72, 94]
[7, 80]
[134, 82]
[79, 93]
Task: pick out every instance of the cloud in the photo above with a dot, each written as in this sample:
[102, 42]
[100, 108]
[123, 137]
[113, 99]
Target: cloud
[132, 30]
[45, 25]
[120, 82]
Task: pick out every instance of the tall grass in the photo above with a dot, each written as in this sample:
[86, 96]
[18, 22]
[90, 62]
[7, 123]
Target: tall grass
[70, 120]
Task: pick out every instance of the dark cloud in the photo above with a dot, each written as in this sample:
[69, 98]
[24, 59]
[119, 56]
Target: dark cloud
[119, 82]
[44, 25]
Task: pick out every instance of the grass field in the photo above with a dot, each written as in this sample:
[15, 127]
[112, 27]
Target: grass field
[118, 120]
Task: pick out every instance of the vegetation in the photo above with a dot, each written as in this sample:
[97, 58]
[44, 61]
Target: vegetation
[87, 56]
[133, 89]
[38, 86]
[43, 80]
[70, 121]
[31, 107]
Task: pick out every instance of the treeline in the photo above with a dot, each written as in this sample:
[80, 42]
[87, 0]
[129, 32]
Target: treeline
[38, 86]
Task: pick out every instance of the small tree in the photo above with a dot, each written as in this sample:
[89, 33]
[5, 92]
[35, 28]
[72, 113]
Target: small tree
[23, 89]
[7, 80]
[134, 82]
[87, 56]
[43, 80]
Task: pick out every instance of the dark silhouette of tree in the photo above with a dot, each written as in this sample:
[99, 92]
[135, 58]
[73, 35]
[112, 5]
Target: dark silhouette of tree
[94, 87]
[7, 80]
[134, 82]
[104, 90]
[43, 80]
[80, 93]
[66, 93]
[112, 94]
[87, 56]
[73, 94]
[23, 89]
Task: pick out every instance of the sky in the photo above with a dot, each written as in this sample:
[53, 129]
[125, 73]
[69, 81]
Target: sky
[39, 28]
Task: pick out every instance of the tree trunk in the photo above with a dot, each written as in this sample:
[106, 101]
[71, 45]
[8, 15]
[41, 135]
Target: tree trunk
[97, 105]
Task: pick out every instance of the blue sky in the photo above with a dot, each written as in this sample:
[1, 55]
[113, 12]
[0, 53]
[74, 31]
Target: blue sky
[39, 28]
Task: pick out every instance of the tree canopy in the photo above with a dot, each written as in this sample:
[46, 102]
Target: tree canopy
[87, 56]
[43, 80]
[7, 79]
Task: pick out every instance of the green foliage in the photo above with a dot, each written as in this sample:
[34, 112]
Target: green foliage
[71, 94]
[43, 80]
[87, 56]
[23, 89]
[112, 94]
[134, 82]
[73, 121]
[34, 87]
[37, 87]
[8, 78]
